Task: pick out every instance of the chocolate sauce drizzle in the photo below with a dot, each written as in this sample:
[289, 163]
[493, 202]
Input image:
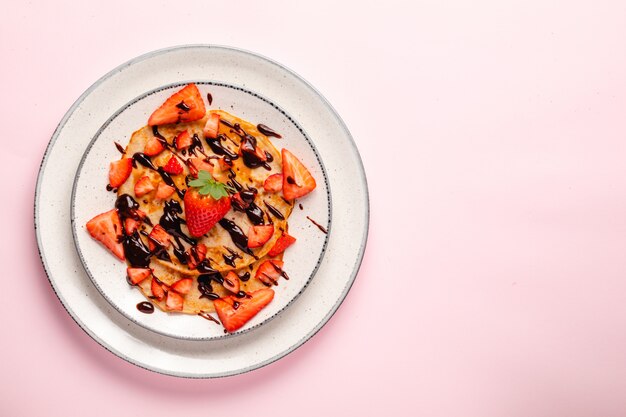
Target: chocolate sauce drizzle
[267, 131]
[205, 287]
[155, 132]
[236, 234]
[120, 148]
[319, 226]
[145, 307]
[230, 259]
[227, 123]
[274, 211]
[248, 147]
[249, 154]
[209, 317]
[183, 106]
[209, 98]
[137, 254]
[216, 146]
[171, 222]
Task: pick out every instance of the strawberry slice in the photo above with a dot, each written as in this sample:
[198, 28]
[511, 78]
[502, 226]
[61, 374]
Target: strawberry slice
[297, 180]
[119, 171]
[235, 312]
[212, 126]
[173, 166]
[231, 282]
[164, 191]
[136, 275]
[107, 228]
[258, 235]
[281, 244]
[225, 164]
[273, 183]
[182, 286]
[174, 301]
[185, 105]
[130, 225]
[157, 290]
[183, 140]
[159, 236]
[199, 164]
[195, 255]
[153, 146]
[143, 186]
[238, 203]
[269, 272]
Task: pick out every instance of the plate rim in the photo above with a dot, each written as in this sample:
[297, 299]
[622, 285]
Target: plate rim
[96, 136]
[355, 269]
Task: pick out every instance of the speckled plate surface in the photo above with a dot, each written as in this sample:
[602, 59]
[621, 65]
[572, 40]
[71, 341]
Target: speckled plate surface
[291, 327]
[90, 197]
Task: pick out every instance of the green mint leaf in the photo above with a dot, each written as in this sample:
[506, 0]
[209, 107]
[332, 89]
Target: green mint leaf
[204, 175]
[206, 189]
[197, 183]
[219, 193]
[208, 186]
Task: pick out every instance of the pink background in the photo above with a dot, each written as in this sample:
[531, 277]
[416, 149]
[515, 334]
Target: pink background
[494, 282]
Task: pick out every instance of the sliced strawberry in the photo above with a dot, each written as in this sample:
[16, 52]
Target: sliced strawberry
[273, 183]
[119, 171]
[225, 164]
[195, 255]
[258, 235]
[173, 166]
[164, 191]
[235, 312]
[153, 146]
[231, 282]
[157, 290]
[185, 105]
[143, 186]
[269, 272]
[107, 228]
[159, 236]
[183, 140]
[212, 126]
[238, 203]
[136, 275]
[199, 164]
[297, 180]
[281, 244]
[182, 286]
[174, 301]
[130, 225]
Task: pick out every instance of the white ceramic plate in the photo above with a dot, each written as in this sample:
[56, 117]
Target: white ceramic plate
[290, 328]
[90, 198]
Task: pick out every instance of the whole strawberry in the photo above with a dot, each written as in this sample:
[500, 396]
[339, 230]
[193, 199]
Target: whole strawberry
[206, 202]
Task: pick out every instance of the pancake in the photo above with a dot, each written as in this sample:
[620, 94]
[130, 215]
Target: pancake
[223, 253]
